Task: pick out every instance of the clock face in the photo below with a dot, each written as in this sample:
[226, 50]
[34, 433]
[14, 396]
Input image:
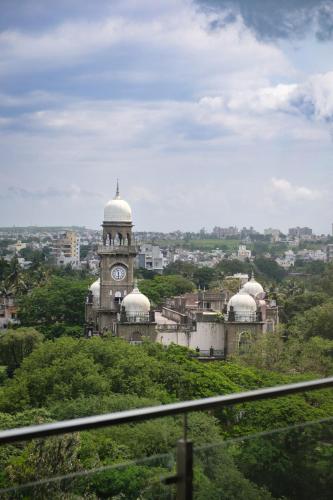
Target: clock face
[118, 273]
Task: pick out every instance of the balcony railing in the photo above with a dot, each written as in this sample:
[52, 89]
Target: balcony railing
[119, 249]
[178, 471]
[179, 327]
[247, 317]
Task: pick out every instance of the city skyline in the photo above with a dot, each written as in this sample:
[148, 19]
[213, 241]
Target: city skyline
[208, 115]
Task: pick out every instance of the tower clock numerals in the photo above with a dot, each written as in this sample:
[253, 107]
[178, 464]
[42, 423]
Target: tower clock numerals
[118, 273]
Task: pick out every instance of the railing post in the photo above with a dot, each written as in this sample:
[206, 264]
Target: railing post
[184, 470]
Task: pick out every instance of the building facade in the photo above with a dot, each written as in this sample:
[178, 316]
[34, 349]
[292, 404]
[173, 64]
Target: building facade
[109, 305]
[206, 321]
[66, 249]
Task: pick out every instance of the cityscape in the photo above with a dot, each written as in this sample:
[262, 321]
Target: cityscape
[166, 250]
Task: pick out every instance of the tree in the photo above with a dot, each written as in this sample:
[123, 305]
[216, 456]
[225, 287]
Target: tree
[203, 276]
[45, 458]
[270, 269]
[185, 269]
[165, 286]
[15, 345]
[301, 302]
[60, 300]
[317, 321]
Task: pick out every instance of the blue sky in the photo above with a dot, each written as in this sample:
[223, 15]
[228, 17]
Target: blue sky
[210, 113]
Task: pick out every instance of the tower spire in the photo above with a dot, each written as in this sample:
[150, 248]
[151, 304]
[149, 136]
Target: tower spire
[117, 191]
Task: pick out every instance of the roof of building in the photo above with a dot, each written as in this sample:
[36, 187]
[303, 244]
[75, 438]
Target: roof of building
[136, 302]
[95, 288]
[117, 210]
[253, 287]
[242, 302]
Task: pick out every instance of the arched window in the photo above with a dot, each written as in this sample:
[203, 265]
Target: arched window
[117, 297]
[136, 338]
[245, 340]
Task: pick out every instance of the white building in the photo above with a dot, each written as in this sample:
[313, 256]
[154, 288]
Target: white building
[288, 260]
[243, 253]
[150, 257]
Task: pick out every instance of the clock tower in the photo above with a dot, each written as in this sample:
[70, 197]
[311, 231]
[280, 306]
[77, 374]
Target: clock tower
[117, 256]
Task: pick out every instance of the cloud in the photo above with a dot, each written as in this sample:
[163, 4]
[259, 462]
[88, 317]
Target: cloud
[175, 49]
[285, 105]
[187, 106]
[74, 192]
[271, 19]
[292, 193]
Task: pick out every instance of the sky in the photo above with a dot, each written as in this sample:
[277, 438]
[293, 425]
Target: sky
[210, 112]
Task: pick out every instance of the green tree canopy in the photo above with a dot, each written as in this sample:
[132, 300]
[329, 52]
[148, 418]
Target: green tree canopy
[15, 345]
[60, 300]
[165, 286]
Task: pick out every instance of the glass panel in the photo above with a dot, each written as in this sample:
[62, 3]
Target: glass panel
[61, 468]
[294, 463]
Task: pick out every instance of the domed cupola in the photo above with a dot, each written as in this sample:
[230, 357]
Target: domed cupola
[136, 305]
[117, 210]
[242, 307]
[95, 289]
[254, 288]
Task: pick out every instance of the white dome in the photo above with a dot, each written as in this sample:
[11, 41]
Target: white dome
[95, 288]
[136, 303]
[253, 288]
[117, 210]
[244, 306]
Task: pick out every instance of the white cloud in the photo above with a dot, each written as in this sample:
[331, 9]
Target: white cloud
[311, 98]
[292, 193]
[177, 42]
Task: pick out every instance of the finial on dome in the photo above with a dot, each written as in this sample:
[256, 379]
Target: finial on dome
[252, 275]
[117, 191]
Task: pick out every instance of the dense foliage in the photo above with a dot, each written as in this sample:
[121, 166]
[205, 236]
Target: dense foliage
[46, 378]
[165, 286]
[69, 378]
[56, 307]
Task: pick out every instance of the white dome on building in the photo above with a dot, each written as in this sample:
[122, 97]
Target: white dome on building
[244, 306]
[254, 288]
[117, 210]
[136, 303]
[95, 288]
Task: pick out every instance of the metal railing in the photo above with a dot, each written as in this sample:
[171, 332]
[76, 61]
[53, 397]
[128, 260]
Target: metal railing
[179, 327]
[210, 353]
[184, 474]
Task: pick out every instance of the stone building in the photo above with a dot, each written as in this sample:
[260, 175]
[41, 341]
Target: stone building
[209, 322]
[111, 298]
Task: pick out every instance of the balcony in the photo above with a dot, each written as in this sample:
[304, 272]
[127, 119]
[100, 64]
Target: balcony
[227, 466]
[118, 250]
[175, 327]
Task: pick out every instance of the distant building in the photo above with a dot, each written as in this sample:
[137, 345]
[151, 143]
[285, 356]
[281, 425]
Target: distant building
[329, 252]
[243, 253]
[66, 249]
[8, 311]
[225, 232]
[300, 232]
[150, 257]
[274, 233]
[288, 260]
